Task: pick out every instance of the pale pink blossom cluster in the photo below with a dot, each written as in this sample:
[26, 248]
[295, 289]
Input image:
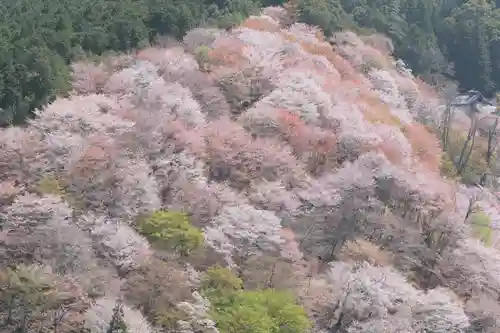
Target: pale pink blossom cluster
[368, 297]
[98, 317]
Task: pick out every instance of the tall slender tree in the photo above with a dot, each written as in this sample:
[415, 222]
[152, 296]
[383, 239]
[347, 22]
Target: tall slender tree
[117, 324]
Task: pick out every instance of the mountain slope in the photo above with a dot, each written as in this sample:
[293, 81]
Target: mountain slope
[197, 183]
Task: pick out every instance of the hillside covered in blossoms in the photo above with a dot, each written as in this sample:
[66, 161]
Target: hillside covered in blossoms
[262, 179]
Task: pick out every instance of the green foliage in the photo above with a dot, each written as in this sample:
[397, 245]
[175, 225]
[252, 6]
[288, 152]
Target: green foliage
[447, 168]
[49, 185]
[260, 311]
[328, 15]
[481, 227]
[221, 280]
[54, 186]
[428, 35]
[232, 12]
[117, 324]
[202, 57]
[168, 318]
[172, 230]
[244, 318]
[476, 164]
[39, 39]
[26, 294]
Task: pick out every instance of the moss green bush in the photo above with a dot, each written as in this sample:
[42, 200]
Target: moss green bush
[172, 230]
[202, 57]
[258, 311]
[481, 227]
[220, 279]
[50, 185]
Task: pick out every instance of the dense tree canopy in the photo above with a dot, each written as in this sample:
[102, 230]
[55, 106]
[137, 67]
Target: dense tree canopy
[264, 179]
[458, 39]
[39, 39]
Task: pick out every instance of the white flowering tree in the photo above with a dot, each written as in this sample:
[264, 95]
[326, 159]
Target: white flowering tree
[368, 297]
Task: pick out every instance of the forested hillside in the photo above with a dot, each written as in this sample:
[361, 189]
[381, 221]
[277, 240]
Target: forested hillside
[262, 179]
[457, 39]
[38, 39]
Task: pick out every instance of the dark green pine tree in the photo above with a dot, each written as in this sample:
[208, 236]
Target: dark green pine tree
[484, 59]
[117, 324]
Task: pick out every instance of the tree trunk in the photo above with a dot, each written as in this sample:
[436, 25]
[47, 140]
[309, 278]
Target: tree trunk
[445, 134]
[492, 145]
[462, 162]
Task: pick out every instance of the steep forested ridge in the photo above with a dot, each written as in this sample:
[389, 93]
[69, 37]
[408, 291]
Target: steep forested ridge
[458, 39]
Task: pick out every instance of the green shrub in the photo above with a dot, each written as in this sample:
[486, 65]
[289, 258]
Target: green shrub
[481, 227]
[476, 164]
[447, 168]
[260, 311]
[50, 185]
[168, 318]
[221, 279]
[233, 13]
[202, 57]
[172, 230]
[327, 15]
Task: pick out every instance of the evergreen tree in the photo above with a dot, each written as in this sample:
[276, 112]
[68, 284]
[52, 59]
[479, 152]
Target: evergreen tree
[117, 324]
[484, 64]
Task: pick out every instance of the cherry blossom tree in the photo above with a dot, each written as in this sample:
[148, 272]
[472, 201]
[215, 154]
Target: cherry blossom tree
[472, 269]
[483, 312]
[245, 87]
[299, 92]
[173, 58]
[335, 208]
[116, 241]
[204, 89]
[156, 288]
[21, 150]
[99, 316]
[169, 100]
[40, 229]
[104, 177]
[369, 294]
[244, 226]
[233, 155]
[81, 115]
[200, 37]
[88, 77]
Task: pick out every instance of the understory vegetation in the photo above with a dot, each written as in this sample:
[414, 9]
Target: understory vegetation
[263, 178]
